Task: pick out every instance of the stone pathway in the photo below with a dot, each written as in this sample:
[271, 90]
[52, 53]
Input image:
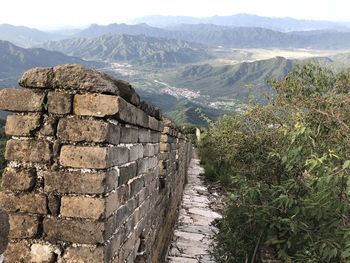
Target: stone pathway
[194, 230]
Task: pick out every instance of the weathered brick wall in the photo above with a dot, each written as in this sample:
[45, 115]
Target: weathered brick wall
[93, 175]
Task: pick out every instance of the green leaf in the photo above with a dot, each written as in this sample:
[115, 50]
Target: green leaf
[346, 164]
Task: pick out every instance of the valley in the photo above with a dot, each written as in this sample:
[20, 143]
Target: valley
[188, 70]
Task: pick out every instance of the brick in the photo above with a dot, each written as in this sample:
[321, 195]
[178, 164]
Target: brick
[80, 183]
[155, 137]
[18, 252]
[116, 200]
[27, 203]
[153, 123]
[136, 185]
[164, 147]
[142, 166]
[21, 100]
[91, 254]
[28, 151]
[83, 207]
[76, 231]
[100, 105]
[15, 179]
[127, 172]
[93, 157]
[144, 135]
[42, 253]
[59, 102]
[150, 149]
[22, 125]
[118, 218]
[37, 78]
[129, 135]
[115, 243]
[166, 138]
[23, 226]
[142, 118]
[135, 152]
[49, 126]
[78, 130]
[4, 230]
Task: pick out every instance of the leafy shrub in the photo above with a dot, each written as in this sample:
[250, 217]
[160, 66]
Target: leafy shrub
[287, 166]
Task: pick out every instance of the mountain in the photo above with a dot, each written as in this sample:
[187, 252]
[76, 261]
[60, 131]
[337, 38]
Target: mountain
[15, 60]
[25, 36]
[133, 49]
[228, 36]
[245, 20]
[95, 30]
[257, 37]
[231, 81]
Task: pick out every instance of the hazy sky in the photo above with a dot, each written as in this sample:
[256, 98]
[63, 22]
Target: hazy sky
[47, 14]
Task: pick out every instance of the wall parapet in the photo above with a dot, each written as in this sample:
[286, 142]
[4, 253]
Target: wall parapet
[93, 175]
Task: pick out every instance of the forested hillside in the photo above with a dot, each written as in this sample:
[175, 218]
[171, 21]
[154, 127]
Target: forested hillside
[286, 166]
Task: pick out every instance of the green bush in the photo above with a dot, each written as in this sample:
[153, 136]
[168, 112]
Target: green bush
[286, 165]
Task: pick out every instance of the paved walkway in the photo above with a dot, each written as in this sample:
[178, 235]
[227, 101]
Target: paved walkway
[194, 230]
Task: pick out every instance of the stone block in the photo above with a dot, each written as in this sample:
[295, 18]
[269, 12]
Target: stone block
[144, 135]
[4, 230]
[22, 125]
[91, 254]
[82, 130]
[76, 231]
[151, 149]
[21, 100]
[37, 78]
[28, 151]
[164, 147]
[100, 105]
[135, 152]
[80, 183]
[49, 126]
[93, 156]
[153, 124]
[83, 207]
[116, 200]
[127, 172]
[129, 135]
[18, 252]
[34, 203]
[136, 185]
[142, 118]
[23, 226]
[59, 102]
[16, 179]
[42, 253]
[155, 137]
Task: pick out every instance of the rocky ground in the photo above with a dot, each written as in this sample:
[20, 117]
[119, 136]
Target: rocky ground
[195, 227]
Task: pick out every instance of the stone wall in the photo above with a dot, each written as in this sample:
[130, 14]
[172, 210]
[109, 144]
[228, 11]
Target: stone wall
[93, 175]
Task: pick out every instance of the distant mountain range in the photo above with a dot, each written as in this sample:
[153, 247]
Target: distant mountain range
[25, 36]
[245, 20]
[15, 60]
[238, 37]
[132, 49]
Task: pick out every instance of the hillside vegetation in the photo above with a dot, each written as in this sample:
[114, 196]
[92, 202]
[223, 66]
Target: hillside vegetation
[132, 49]
[286, 166]
[231, 81]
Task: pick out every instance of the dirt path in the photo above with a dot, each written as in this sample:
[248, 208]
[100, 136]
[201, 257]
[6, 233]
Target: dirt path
[194, 230]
